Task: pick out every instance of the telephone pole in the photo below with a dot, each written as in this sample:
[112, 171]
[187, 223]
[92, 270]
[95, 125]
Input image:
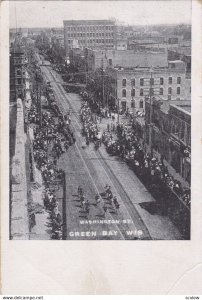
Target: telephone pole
[150, 113]
[103, 89]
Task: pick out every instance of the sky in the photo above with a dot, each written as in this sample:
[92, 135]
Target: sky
[135, 12]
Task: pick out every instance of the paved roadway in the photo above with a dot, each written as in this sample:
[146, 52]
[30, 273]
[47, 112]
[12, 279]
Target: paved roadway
[93, 169]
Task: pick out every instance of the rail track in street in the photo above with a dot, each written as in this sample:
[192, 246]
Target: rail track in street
[64, 104]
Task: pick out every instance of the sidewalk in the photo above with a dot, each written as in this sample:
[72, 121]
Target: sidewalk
[172, 171]
[160, 226]
[124, 120]
[39, 230]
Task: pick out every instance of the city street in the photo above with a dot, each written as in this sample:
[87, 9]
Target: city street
[93, 170]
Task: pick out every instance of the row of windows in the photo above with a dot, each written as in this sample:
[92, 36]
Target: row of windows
[20, 72]
[92, 34]
[161, 92]
[141, 104]
[142, 81]
[89, 28]
[94, 41]
[19, 61]
[20, 80]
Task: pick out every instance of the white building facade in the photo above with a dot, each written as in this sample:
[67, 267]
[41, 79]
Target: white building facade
[130, 86]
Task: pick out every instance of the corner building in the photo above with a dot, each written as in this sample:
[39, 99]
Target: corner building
[133, 84]
[96, 34]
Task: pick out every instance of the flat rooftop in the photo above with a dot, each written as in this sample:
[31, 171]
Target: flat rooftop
[185, 107]
[87, 21]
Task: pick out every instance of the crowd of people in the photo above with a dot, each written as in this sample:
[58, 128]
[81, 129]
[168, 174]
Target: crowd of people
[153, 172]
[91, 128]
[51, 140]
[105, 200]
[125, 144]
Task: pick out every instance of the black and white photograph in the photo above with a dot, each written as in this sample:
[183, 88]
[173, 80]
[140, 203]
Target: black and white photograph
[100, 120]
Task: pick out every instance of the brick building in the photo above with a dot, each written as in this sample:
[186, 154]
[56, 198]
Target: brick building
[168, 83]
[171, 133]
[17, 70]
[90, 33]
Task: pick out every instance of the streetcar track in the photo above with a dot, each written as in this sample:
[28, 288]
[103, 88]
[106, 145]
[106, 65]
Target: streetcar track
[108, 170]
[95, 186]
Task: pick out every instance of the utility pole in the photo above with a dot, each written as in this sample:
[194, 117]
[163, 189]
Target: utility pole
[150, 113]
[118, 110]
[133, 103]
[102, 67]
[38, 95]
[86, 73]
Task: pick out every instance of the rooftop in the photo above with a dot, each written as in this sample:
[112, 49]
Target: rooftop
[156, 69]
[183, 105]
[87, 21]
[182, 50]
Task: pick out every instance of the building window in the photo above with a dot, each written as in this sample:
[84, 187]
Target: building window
[178, 80]
[141, 81]
[124, 82]
[141, 92]
[124, 93]
[19, 81]
[161, 81]
[133, 92]
[141, 104]
[132, 103]
[170, 80]
[133, 82]
[152, 81]
[178, 90]
[161, 91]
[110, 61]
[169, 91]
[18, 72]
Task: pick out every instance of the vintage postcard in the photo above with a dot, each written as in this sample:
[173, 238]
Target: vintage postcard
[100, 122]
[101, 104]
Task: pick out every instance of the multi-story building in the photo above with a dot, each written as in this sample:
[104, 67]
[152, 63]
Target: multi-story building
[181, 53]
[17, 70]
[171, 133]
[77, 59]
[131, 58]
[90, 33]
[131, 85]
[57, 36]
[95, 59]
[98, 58]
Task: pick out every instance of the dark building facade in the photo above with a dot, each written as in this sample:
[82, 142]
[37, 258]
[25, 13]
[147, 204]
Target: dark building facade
[90, 33]
[171, 133]
[17, 70]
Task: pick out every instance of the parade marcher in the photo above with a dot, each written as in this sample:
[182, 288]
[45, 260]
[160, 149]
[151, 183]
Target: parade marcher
[87, 206]
[116, 204]
[105, 209]
[97, 199]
